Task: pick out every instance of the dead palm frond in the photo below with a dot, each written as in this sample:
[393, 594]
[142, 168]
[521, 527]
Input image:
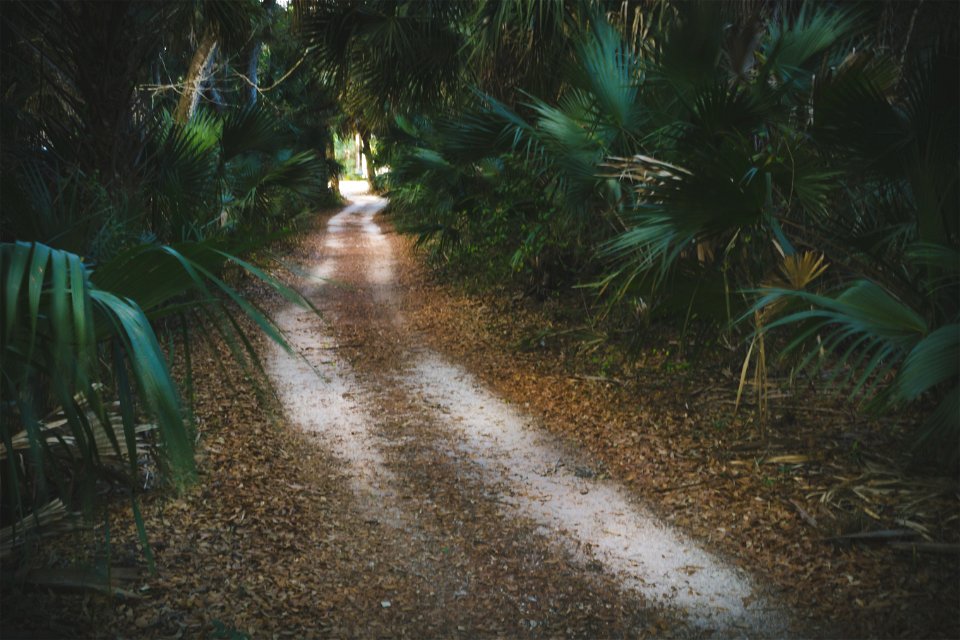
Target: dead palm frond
[50, 519]
[796, 272]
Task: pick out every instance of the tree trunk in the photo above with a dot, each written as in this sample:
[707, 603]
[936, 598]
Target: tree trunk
[200, 67]
[216, 98]
[253, 60]
[253, 68]
[368, 155]
[331, 154]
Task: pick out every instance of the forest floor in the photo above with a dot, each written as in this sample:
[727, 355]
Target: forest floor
[436, 463]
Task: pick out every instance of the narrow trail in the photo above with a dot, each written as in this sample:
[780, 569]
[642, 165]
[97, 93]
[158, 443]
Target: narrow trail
[442, 460]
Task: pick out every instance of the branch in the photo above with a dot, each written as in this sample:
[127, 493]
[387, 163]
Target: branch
[262, 90]
[177, 87]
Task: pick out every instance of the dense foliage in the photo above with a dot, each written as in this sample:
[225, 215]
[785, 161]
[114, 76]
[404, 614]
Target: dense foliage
[132, 178]
[785, 168]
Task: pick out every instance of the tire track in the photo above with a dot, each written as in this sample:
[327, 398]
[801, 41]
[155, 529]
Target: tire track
[518, 466]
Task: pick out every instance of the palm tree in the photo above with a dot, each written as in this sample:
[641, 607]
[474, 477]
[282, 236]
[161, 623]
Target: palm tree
[94, 176]
[218, 24]
[385, 58]
[73, 340]
[695, 174]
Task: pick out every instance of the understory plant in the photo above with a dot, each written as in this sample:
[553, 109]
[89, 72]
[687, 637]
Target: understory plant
[87, 390]
[684, 180]
[126, 210]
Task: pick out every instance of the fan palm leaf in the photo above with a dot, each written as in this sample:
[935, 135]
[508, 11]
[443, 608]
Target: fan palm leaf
[793, 47]
[877, 336]
[55, 318]
[79, 334]
[250, 129]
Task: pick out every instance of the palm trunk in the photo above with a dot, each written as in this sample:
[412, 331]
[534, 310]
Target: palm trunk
[253, 60]
[368, 155]
[253, 68]
[331, 155]
[200, 67]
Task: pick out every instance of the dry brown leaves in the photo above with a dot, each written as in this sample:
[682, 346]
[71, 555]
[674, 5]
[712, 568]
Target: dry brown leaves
[777, 503]
[272, 543]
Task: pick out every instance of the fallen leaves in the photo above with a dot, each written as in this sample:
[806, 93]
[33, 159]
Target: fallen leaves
[768, 502]
[273, 543]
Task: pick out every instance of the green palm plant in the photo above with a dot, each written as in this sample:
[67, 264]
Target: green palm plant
[466, 201]
[880, 342]
[659, 104]
[385, 58]
[422, 179]
[258, 165]
[559, 147]
[75, 338]
[891, 325]
[698, 152]
[725, 160]
[96, 175]
[223, 170]
[508, 45]
[816, 146]
[55, 320]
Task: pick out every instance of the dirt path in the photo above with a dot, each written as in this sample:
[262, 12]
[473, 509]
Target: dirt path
[443, 462]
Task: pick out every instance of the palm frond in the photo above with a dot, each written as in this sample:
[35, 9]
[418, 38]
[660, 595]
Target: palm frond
[301, 174]
[250, 129]
[50, 518]
[791, 51]
[612, 75]
[933, 361]
[852, 112]
[863, 308]
[878, 337]
[183, 167]
[59, 317]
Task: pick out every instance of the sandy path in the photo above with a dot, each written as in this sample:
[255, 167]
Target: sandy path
[490, 450]
[318, 389]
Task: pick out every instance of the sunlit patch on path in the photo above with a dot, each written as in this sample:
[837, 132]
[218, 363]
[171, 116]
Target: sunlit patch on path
[317, 388]
[592, 515]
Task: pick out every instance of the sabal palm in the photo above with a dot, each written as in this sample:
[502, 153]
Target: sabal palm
[217, 169]
[386, 57]
[87, 276]
[700, 167]
[75, 338]
[829, 160]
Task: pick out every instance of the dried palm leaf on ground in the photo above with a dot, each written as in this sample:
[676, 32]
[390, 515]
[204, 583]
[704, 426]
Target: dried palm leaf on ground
[50, 519]
[889, 496]
[85, 579]
[55, 436]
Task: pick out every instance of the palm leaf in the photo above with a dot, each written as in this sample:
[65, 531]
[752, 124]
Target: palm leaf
[52, 338]
[793, 46]
[863, 308]
[877, 335]
[933, 361]
[250, 129]
[612, 75]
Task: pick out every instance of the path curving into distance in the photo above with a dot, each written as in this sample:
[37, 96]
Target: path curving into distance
[444, 409]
